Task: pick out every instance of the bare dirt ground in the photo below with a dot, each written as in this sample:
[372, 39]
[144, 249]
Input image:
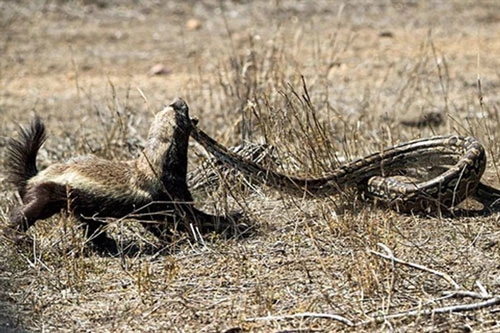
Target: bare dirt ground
[87, 68]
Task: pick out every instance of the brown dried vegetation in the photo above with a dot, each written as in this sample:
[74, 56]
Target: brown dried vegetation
[323, 83]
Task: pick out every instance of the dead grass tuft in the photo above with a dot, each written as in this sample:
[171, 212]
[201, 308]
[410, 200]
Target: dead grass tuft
[321, 85]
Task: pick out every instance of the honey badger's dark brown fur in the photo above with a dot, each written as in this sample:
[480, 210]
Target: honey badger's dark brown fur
[153, 186]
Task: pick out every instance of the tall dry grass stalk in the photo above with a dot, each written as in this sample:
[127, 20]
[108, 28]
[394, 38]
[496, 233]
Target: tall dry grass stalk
[320, 92]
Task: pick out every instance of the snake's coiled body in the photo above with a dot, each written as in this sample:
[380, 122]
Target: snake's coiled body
[464, 159]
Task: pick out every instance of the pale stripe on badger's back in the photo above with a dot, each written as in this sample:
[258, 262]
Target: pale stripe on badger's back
[101, 178]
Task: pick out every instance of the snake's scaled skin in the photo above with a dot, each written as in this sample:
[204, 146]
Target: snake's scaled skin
[464, 157]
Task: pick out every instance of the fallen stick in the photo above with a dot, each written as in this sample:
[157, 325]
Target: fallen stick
[391, 257]
[304, 315]
[446, 309]
[466, 293]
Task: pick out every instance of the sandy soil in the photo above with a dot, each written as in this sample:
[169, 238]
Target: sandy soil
[90, 66]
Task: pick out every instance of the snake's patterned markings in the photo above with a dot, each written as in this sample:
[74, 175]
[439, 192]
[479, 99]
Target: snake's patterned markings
[373, 174]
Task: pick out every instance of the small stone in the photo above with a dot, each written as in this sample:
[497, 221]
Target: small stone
[431, 118]
[386, 34]
[158, 69]
[193, 24]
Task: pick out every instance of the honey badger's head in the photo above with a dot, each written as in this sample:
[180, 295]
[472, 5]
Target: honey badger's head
[173, 117]
[180, 107]
[181, 110]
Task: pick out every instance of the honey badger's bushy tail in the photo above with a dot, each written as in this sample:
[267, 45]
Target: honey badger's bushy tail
[21, 154]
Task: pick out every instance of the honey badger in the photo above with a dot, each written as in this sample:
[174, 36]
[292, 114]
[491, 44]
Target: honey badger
[153, 186]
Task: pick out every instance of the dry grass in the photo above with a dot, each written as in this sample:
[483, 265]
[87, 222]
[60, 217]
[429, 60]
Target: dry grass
[322, 83]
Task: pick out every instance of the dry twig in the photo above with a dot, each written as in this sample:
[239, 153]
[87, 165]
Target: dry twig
[304, 315]
[446, 309]
[489, 300]
[391, 257]
[466, 293]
